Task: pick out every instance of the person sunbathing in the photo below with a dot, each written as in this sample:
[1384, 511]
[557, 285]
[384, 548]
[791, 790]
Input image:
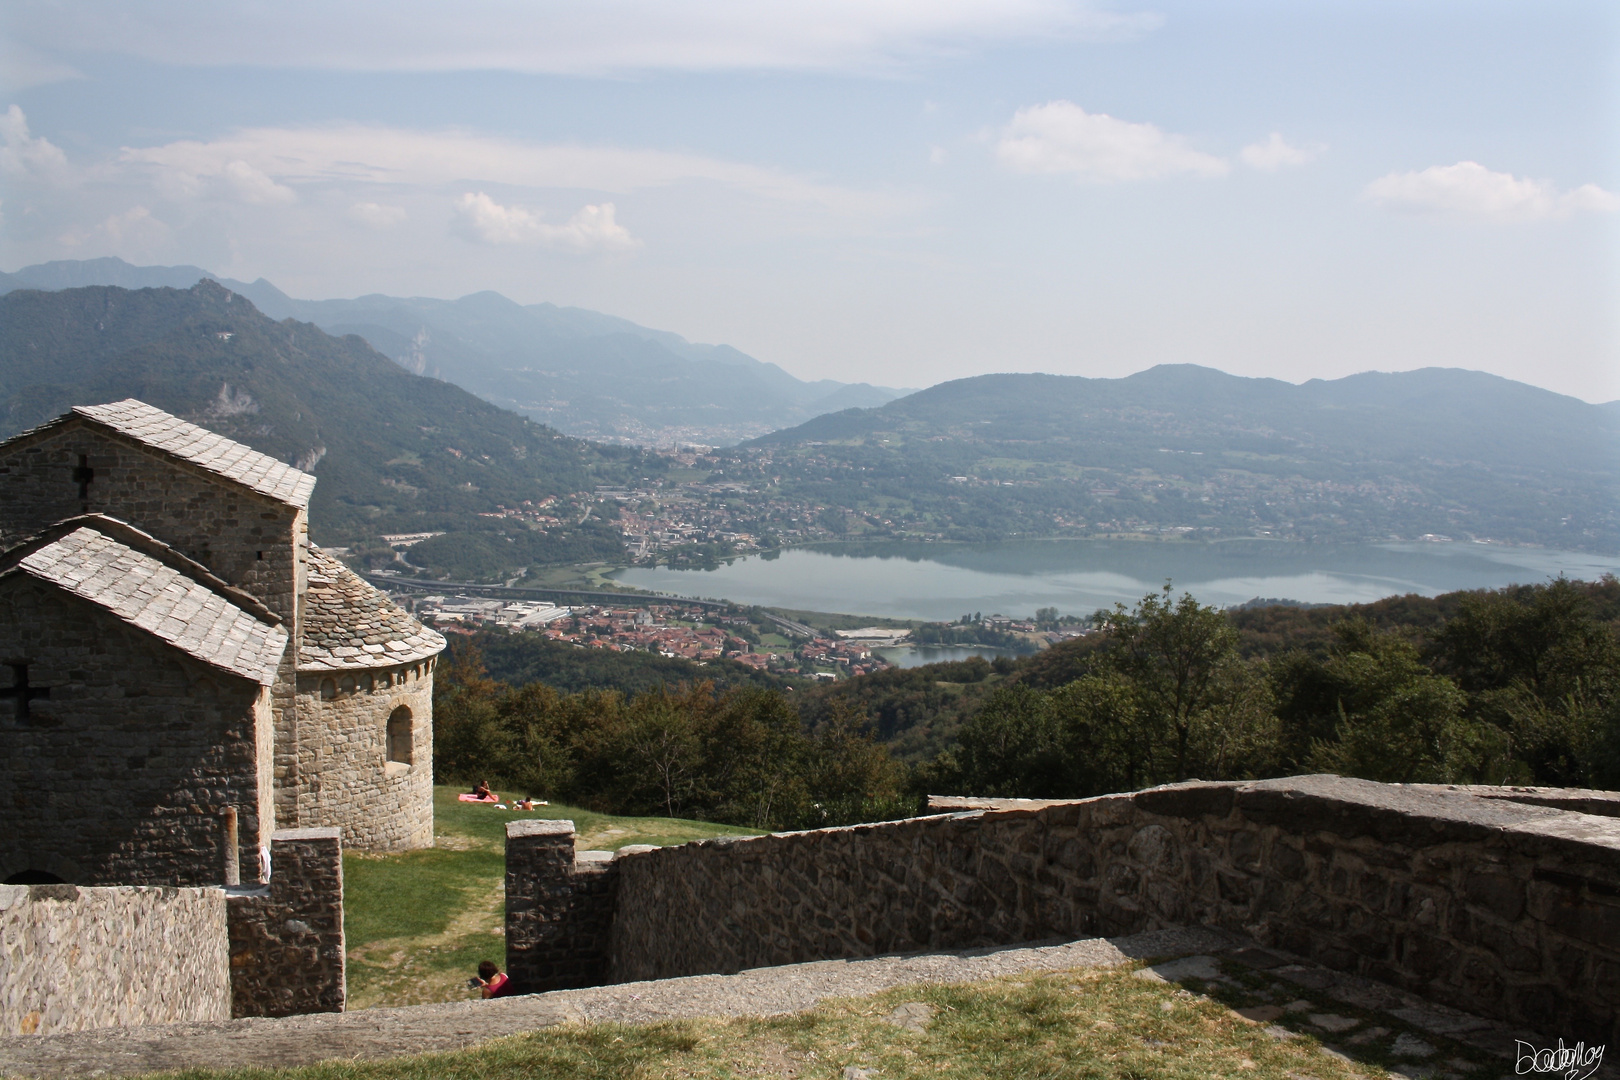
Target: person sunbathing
[482, 792]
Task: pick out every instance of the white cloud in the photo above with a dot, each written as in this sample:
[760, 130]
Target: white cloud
[1470, 189]
[1061, 137]
[23, 154]
[186, 177]
[593, 228]
[393, 157]
[134, 232]
[558, 36]
[251, 185]
[1276, 152]
[376, 215]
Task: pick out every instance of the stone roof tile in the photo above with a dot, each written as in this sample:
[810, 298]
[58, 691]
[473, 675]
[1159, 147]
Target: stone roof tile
[145, 593]
[204, 448]
[343, 615]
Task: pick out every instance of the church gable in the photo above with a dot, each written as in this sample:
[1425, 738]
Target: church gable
[160, 600]
[237, 511]
[125, 740]
[225, 458]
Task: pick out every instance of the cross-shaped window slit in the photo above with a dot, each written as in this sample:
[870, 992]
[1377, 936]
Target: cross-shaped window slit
[20, 691]
[83, 475]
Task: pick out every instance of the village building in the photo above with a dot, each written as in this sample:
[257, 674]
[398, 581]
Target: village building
[176, 657]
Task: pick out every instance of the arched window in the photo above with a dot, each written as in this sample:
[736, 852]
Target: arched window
[346, 684]
[328, 689]
[399, 735]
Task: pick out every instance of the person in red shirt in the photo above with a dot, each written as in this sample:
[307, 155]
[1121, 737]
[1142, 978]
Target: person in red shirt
[492, 981]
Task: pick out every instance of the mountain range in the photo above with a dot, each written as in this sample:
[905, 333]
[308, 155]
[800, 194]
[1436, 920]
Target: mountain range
[1175, 450]
[394, 452]
[581, 372]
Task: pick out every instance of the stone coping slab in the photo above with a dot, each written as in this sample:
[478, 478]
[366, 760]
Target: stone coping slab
[539, 827]
[384, 1033]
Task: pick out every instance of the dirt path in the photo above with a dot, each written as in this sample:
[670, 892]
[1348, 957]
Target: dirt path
[381, 1033]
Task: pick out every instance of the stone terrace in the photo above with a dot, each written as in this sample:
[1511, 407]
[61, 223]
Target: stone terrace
[385, 1033]
[1492, 905]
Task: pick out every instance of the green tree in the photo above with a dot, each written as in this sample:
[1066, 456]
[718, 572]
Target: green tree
[1165, 698]
[739, 757]
[1373, 709]
[468, 734]
[1540, 665]
[849, 777]
[755, 756]
[1190, 684]
[1011, 748]
[1108, 743]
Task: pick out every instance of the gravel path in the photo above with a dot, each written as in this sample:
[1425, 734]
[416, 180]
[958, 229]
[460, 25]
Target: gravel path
[381, 1033]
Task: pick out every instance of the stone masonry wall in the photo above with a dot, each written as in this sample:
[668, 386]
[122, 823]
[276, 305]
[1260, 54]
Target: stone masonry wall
[72, 958]
[121, 775]
[252, 541]
[286, 938]
[248, 539]
[347, 779]
[1503, 909]
[284, 694]
[559, 907]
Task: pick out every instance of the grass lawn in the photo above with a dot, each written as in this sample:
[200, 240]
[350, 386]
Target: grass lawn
[1085, 1024]
[417, 923]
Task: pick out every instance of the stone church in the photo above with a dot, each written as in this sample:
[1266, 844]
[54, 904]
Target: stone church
[174, 650]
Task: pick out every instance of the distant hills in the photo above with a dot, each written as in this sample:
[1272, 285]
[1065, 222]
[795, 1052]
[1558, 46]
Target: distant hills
[581, 372]
[394, 452]
[1177, 450]
[1193, 450]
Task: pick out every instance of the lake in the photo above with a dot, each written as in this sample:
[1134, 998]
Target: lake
[941, 582]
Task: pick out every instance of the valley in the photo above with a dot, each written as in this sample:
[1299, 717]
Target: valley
[1172, 453]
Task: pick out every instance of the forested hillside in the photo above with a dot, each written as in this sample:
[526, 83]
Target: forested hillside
[1194, 451]
[393, 452]
[520, 659]
[1519, 685]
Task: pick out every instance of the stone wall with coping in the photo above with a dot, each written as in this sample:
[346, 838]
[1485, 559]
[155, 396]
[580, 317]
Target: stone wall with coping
[1500, 908]
[286, 937]
[559, 907]
[121, 775]
[76, 958]
[347, 780]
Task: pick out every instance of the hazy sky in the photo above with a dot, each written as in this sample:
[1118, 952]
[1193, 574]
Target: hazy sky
[898, 191]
